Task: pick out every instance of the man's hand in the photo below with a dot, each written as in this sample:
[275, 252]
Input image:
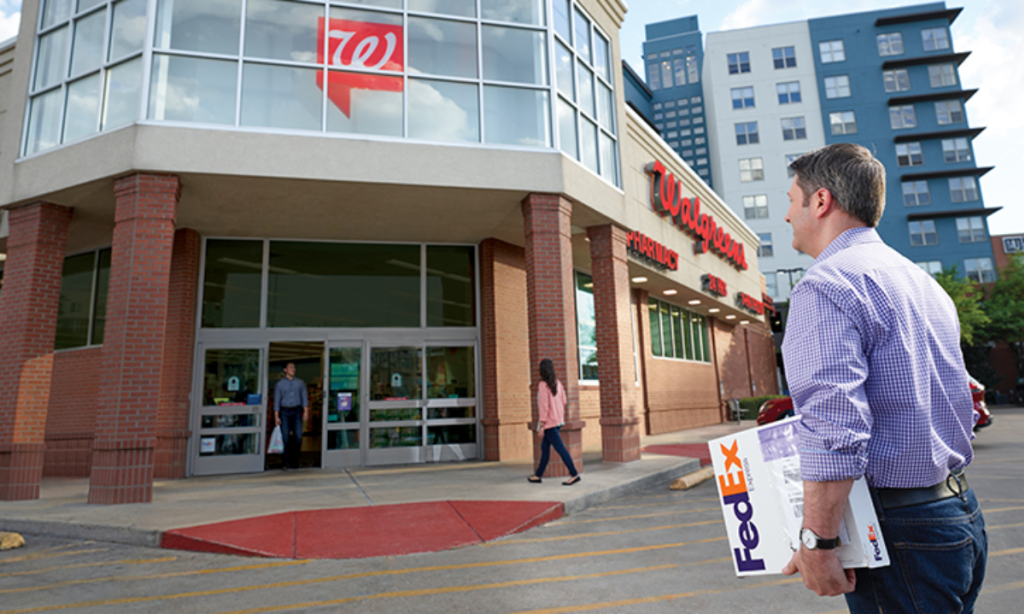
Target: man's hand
[305, 415]
[277, 419]
[821, 572]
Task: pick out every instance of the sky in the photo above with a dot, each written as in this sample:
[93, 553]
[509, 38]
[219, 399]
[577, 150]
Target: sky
[992, 30]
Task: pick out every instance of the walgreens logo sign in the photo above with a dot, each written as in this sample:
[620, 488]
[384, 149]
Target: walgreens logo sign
[359, 45]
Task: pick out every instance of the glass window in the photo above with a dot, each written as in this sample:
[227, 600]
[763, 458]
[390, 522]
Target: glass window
[75, 304]
[282, 30]
[343, 388]
[679, 317]
[396, 374]
[949, 112]
[585, 81]
[832, 51]
[609, 158]
[793, 128]
[232, 279]
[751, 169]
[654, 77]
[365, 104]
[588, 144]
[451, 295]
[582, 35]
[443, 111]
[586, 326]
[789, 160]
[941, 75]
[956, 150]
[772, 284]
[932, 267]
[441, 47]
[909, 154]
[666, 73]
[523, 11]
[902, 117]
[82, 108]
[193, 90]
[567, 128]
[129, 28]
[679, 67]
[890, 44]
[935, 39]
[668, 348]
[605, 107]
[516, 116]
[742, 97]
[281, 97]
[334, 285]
[963, 189]
[784, 57]
[51, 59]
[915, 193]
[514, 54]
[655, 327]
[896, 80]
[764, 246]
[56, 11]
[971, 229]
[692, 70]
[560, 11]
[755, 207]
[459, 8]
[121, 96]
[87, 52]
[230, 376]
[923, 233]
[738, 62]
[788, 92]
[979, 270]
[44, 122]
[843, 122]
[211, 26]
[837, 87]
[601, 61]
[99, 310]
[746, 133]
[451, 375]
[563, 72]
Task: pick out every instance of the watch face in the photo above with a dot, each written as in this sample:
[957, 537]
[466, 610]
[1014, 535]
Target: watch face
[808, 538]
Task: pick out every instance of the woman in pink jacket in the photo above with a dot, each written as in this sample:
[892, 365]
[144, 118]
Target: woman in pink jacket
[551, 403]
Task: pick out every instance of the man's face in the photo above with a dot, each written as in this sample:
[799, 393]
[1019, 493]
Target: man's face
[289, 370]
[800, 217]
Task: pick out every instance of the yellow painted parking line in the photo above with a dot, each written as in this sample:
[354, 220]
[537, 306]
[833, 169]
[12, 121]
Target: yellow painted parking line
[40, 555]
[426, 592]
[365, 574]
[654, 599]
[709, 561]
[1003, 587]
[1004, 526]
[170, 574]
[1001, 501]
[1001, 509]
[1006, 552]
[623, 507]
[30, 572]
[512, 542]
[614, 518]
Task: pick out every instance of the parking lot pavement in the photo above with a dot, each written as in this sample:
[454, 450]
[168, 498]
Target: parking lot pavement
[653, 551]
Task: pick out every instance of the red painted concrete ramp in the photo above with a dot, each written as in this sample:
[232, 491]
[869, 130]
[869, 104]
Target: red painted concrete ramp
[692, 450]
[360, 532]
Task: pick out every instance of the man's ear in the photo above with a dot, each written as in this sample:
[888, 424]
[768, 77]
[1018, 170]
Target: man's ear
[822, 203]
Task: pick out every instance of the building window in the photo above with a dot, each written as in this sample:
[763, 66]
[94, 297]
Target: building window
[949, 112]
[751, 169]
[784, 57]
[934, 39]
[941, 75]
[702, 161]
[703, 172]
[738, 62]
[963, 189]
[679, 67]
[698, 120]
[789, 160]
[586, 326]
[837, 87]
[1011, 245]
[788, 92]
[915, 193]
[909, 154]
[742, 97]
[665, 63]
[755, 207]
[932, 267]
[793, 128]
[923, 233]
[896, 80]
[771, 281]
[82, 308]
[746, 133]
[81, 85]
[832, 51]
[843, 122]
[955, 150]
[653, 75]
[764, 245]
[691, 64]
[979, 270]
[971, 229]
[699, 141]
[677, 333]
[902, 117]
[890, 44]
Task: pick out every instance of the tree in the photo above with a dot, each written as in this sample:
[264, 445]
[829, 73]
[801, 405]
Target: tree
[965, 296]
[1005, 309]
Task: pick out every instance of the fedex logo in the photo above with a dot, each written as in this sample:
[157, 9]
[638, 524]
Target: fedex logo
[873, 538]
[360, 45]
[733, 486]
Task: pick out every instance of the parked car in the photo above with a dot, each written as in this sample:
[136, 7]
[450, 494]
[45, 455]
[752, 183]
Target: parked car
[782, 407]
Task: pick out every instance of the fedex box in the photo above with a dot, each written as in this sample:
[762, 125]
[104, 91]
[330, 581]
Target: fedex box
[762, 494]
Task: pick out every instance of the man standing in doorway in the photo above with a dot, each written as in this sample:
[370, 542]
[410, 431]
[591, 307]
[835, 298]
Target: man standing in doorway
[872, 353]
[291, 411]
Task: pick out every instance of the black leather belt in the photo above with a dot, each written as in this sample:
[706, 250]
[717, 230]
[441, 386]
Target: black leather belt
[953, 486]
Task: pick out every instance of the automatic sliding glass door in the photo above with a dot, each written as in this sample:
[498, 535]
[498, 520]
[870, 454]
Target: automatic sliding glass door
[230, 415]
[395, 421]
[343, 403]
[451, 403]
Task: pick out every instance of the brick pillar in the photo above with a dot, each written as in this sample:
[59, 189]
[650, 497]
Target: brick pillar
[135, 339]
[179, 348]
[620, 419]
[550, 295]
[28, 325]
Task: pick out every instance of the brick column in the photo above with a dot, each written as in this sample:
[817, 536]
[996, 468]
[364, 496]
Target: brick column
[550, 295]
[28, 325]
[135, 339]
[620, 420]
[183, 293]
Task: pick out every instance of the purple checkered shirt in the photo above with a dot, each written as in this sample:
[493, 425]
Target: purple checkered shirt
[873, 359]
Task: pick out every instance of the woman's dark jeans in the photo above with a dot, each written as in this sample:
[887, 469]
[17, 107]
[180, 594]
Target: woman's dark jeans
[552, 437]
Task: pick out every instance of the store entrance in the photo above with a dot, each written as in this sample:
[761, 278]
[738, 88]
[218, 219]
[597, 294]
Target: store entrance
[308, 358]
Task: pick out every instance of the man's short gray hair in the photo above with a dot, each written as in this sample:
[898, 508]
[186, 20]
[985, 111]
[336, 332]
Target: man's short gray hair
[855, 178]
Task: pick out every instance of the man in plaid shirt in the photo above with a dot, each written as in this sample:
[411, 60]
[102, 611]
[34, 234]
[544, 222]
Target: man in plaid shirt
[872, 354]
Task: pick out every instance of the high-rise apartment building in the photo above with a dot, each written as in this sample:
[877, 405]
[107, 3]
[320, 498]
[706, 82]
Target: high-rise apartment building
[887, 80]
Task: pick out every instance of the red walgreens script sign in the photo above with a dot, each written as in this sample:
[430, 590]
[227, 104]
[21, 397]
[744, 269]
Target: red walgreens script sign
[359, 44]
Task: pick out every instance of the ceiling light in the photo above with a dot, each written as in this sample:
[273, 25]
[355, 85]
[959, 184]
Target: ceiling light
[714, 310]
[730, 317]
[3, 257]
[744, 321]
[639, 280]
[694, 302]
[671, 292]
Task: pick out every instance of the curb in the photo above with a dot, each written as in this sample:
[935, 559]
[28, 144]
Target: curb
[577, 505]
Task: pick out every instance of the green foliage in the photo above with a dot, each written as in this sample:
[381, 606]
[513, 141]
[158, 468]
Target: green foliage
[1005, 306]
[965, 297]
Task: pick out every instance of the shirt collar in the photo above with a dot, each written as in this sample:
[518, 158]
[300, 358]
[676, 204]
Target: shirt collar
[849, 238]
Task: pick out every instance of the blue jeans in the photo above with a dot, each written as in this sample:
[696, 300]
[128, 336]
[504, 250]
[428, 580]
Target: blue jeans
[938, 552]
[291, 432]
[552, 437]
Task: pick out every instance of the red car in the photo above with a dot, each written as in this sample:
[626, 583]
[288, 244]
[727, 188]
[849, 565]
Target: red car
[777, 409]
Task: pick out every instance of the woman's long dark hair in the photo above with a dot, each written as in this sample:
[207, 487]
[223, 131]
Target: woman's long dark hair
[547, 373]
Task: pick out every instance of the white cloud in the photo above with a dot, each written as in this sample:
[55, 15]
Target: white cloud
[9, 25]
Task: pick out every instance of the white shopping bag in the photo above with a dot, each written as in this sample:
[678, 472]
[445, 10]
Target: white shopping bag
[276, 442]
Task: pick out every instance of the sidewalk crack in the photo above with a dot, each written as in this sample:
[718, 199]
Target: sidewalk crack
[356, 482]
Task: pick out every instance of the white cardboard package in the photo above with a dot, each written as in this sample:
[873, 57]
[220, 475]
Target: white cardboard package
[758, 477]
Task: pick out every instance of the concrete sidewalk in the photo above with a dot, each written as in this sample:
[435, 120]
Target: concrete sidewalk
[62, 510]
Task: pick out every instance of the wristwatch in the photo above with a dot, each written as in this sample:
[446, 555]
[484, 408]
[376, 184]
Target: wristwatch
[811, 541]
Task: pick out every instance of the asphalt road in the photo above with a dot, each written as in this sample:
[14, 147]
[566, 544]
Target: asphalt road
[655, 551]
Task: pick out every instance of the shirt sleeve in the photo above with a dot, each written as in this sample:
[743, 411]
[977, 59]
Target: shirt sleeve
[277, 396]
[305, 394]
[827, 370]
